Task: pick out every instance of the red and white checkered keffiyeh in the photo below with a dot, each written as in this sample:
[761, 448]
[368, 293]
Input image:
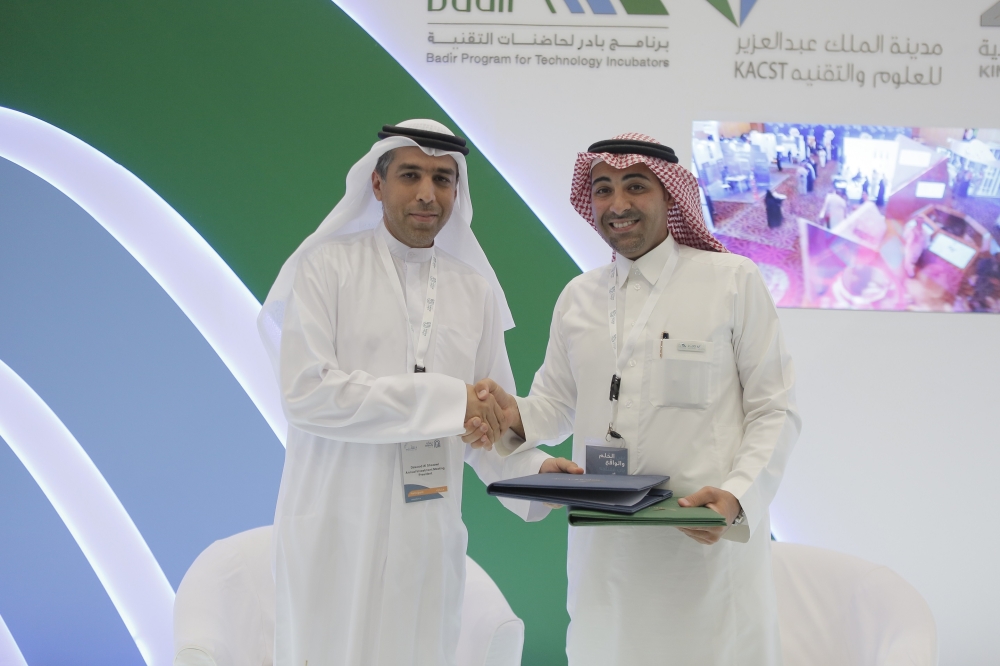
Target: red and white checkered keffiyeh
[684, 219]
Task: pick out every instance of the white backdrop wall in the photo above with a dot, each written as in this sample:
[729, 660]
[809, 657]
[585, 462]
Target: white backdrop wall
[900, 441]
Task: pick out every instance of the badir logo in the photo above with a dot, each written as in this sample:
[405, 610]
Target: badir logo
[734, 10]
[641, 7]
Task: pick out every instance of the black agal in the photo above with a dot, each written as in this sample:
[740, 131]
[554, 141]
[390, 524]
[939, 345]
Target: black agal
[633, 147]
[454, 144]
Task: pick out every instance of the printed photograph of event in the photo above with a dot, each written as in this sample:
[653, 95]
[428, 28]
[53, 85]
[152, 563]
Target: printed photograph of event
[858, 216]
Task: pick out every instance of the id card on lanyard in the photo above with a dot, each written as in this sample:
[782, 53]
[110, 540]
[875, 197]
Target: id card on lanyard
[424, 465]
[613, 437]
[425, 470]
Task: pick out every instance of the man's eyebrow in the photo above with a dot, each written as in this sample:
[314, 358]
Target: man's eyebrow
[405, 166]
[634, 175]
[599, 179]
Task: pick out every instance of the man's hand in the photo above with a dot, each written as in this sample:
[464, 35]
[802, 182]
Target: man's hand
[559, 465]
[484, 419]
[720, 501]
[511, 414]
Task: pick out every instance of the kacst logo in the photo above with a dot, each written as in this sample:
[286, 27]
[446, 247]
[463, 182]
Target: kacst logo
[734, 10]
[991, 17]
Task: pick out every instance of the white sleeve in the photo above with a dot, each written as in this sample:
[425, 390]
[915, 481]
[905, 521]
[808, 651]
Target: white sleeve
[548, 412]
[498, 464]
[319, 398]
[771, 423]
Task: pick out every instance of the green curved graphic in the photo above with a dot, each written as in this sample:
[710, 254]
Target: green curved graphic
[245, 117]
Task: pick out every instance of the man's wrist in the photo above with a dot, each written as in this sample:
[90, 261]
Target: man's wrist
[517, 425]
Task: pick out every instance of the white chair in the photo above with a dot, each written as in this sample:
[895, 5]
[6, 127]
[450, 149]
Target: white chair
[224, 611]
[491, 634]
[838, 610]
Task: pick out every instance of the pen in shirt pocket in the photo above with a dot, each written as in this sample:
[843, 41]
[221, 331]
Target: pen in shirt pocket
[666, 336]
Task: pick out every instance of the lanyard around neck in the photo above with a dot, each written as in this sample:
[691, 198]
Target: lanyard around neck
[633, 335]
[416, 356]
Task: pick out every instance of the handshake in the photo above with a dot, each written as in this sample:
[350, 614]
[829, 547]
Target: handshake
[489, 412]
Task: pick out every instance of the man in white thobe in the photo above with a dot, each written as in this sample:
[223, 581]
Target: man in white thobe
[381, 334]
[691, 337]
[834, 209]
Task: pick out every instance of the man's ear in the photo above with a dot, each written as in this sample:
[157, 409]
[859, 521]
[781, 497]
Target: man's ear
[377, 185]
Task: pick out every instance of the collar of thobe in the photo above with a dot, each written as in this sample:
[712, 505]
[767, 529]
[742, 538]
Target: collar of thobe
[415, 354]
[401, 250]
[650, 265]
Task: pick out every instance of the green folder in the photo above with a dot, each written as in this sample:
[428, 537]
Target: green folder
[666, 512]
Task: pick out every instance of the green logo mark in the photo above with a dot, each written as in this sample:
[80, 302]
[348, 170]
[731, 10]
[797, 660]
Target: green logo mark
[732, 9]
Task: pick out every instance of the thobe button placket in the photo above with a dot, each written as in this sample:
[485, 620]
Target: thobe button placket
[628, 405]
[637, 287]
[632, 363]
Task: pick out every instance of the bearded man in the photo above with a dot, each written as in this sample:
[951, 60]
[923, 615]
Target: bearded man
[673, 354]
[378, 337]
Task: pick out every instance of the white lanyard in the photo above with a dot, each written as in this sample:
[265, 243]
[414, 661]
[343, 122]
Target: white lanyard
[633, 335]
[418, 355]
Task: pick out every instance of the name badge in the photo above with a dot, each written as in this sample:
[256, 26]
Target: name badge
[425, 470]
[691, 347]
[607, 460]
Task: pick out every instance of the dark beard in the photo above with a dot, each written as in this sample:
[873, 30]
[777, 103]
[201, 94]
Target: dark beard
[631, 243]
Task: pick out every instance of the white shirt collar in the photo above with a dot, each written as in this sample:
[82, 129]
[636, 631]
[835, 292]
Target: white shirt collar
[649, 265]
[403, 251]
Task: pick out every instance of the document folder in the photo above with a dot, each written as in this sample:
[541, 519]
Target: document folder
[666, 513]
[609, 492]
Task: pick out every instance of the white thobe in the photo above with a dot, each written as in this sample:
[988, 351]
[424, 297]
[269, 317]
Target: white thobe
[834, 206]
[723, 416]
[362, 577]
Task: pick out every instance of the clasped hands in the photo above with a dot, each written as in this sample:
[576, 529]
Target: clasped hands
[489, 412]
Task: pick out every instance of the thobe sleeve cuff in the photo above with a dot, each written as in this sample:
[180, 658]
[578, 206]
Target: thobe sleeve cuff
[450, 397]
[737, 533]
[508, 443]
[752, 507]
[529, 419]
[525, 463]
